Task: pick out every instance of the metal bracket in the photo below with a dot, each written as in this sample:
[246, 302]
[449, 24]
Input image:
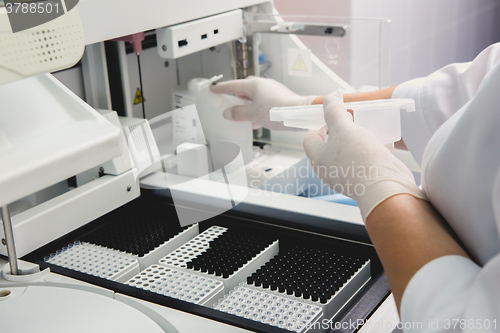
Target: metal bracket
[243, 49]
[296, 28]
[244, 58]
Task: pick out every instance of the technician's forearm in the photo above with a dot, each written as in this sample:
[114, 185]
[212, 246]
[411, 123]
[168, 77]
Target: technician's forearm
[407, 234]
[385, 93]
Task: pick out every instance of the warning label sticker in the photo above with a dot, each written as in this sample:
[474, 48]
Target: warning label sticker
[299, 62]
[138, 97]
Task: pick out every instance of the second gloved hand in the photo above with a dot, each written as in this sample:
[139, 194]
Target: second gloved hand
[264, 95]
[353, 162]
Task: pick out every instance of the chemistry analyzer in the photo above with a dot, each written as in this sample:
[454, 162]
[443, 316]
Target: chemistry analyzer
[133, 198]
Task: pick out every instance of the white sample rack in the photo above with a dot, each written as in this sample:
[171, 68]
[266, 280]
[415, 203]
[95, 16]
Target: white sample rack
[96, 260]
[272, 309]
[189, 287]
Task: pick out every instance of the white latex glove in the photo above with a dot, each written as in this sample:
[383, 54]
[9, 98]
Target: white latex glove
[264, 95]
[353, 162]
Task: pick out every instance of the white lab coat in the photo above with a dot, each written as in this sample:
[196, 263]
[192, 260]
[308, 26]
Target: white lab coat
[455, 135]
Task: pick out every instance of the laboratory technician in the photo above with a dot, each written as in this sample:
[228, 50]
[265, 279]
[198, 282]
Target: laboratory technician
[439, 244]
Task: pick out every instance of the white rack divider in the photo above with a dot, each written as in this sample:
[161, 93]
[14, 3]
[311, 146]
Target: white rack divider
[191, 249]
[159, 252]
[198, 245]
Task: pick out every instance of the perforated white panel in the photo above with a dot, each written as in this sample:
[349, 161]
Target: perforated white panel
[95, 260]
[52, 46]
[43, 49]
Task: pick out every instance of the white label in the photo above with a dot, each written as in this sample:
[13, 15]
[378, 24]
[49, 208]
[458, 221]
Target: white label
[186, 121]
[181, 100]
[299, 62]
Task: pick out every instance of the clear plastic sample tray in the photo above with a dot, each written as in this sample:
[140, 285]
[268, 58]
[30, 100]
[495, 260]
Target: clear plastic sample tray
[381, 117]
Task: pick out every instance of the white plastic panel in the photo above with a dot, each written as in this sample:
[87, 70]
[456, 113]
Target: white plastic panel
[186, 38]
[42, 224]
[47, 135]
[101, 22]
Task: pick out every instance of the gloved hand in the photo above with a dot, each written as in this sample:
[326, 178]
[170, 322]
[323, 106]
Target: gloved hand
[264, 95]
[353, 162]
